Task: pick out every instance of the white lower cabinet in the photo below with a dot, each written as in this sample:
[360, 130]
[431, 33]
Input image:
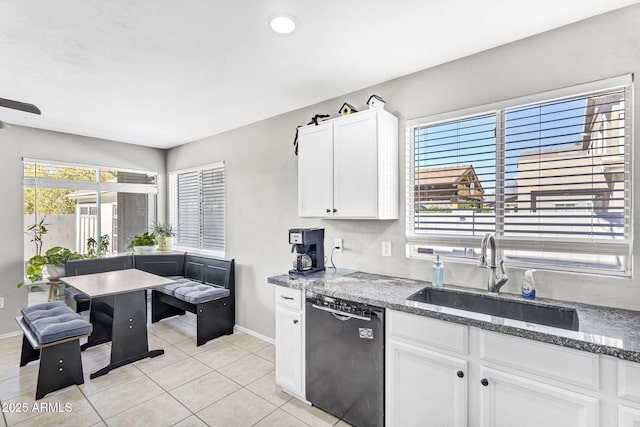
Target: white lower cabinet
[629, 393]
[628, 417]
[424, 385]
[511, 400]
[290, 341]
[444, 374]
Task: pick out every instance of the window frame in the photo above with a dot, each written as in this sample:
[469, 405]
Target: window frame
[415, 241]
[96, 185]
[173, 208]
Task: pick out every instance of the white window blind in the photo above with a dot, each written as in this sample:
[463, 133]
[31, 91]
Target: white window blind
[550, 178]
[198, 207]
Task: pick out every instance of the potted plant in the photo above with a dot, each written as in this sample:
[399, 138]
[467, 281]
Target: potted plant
[165, 234]
[36, 232]
[98, 248]
[143, 243]
[54, 259]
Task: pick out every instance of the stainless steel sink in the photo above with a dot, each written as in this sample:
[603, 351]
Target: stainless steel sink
[548, 315]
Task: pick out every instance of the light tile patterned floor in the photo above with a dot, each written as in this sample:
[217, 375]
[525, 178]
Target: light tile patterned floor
[226, 382]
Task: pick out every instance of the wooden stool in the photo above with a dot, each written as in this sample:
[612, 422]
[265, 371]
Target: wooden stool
[60, 361]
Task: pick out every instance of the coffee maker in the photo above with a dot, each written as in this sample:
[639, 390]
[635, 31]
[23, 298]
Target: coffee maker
[308, 245]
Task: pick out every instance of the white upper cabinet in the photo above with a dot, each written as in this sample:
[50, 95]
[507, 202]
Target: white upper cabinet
[315, 170]
[348, 167]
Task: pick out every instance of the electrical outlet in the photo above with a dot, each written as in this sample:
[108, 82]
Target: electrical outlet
[1, 302]
[386, 248]
[337, 243]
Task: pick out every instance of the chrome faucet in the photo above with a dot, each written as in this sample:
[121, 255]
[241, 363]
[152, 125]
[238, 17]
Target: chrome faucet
[494, 283]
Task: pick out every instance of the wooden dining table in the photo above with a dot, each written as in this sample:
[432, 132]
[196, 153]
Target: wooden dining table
[120, 297]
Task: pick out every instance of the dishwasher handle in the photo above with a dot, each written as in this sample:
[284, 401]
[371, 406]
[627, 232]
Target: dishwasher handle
[341, 313]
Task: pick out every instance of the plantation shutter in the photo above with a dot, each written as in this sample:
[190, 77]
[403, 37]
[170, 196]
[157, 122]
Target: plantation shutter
[198, 207]
[548, 174]
[565, 169]
[188, 209]
[213, 208]
[454, 177]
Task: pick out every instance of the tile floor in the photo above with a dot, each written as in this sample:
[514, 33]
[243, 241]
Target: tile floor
[226, 382]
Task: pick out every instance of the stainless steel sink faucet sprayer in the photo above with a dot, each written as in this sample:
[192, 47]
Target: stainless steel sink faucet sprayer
[494, 283]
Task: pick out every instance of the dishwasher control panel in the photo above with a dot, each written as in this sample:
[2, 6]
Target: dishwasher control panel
[340, 305]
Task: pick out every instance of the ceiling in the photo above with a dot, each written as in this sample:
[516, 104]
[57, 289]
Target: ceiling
[162, 73]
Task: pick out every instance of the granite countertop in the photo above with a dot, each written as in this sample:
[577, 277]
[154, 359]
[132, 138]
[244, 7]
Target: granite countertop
[603, 330]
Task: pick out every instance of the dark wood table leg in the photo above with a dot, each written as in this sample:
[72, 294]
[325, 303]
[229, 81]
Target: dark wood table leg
[101, 317]
[129, 341]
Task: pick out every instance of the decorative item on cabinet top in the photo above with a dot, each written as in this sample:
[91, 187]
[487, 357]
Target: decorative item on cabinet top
[376, 102]
[314, 121]
[347, 109]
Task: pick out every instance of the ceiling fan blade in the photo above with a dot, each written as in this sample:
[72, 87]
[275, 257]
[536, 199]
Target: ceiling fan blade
[17, 105]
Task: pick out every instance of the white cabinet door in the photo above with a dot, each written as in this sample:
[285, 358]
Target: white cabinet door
[424, 388]
[315, 171]
[509, 400]
[355, 162]
[628, 417]
[289, 351]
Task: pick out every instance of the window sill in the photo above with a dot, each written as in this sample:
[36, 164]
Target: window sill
[203, 252]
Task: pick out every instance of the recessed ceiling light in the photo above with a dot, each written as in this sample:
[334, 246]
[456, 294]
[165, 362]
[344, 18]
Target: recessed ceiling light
[282, 24]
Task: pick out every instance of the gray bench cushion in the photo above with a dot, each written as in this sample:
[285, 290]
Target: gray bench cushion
[53, 321]
[197, 293]
[170, 288]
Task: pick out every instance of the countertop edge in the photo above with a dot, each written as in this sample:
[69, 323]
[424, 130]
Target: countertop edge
[545, 337]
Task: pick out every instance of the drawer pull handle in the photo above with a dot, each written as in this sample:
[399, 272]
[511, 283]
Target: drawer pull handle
[484, 382]
[283, 297]
[460, 374]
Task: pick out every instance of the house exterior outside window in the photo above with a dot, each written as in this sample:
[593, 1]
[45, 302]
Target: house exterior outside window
[80, 202]
[549, 174]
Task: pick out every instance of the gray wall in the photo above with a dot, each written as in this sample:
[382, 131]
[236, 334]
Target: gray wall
[261, 167]
[17, 142]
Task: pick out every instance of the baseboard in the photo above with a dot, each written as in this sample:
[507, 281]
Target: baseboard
[10, 334]
[255, 334]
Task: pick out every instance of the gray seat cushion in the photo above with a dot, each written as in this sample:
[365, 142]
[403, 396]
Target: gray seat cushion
[53, 321]
[196, 293]
[170, 288]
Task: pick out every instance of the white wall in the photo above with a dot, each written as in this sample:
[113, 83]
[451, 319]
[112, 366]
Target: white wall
[261, 167]
[61, 231]
[17, 142]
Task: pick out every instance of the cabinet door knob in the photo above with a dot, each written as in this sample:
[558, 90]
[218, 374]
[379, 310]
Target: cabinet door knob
[484, 382]
[328, 210]
[295, 321]
[335, 210]
[460, 374]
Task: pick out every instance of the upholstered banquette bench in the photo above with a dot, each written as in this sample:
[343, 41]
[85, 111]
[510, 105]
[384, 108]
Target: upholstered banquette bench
[204, 286]
[51, 333]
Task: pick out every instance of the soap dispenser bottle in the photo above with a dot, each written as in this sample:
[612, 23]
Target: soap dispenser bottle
[437, 275]
[528, 285]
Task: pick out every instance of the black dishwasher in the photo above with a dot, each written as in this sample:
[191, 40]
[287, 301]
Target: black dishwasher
[345, 359]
